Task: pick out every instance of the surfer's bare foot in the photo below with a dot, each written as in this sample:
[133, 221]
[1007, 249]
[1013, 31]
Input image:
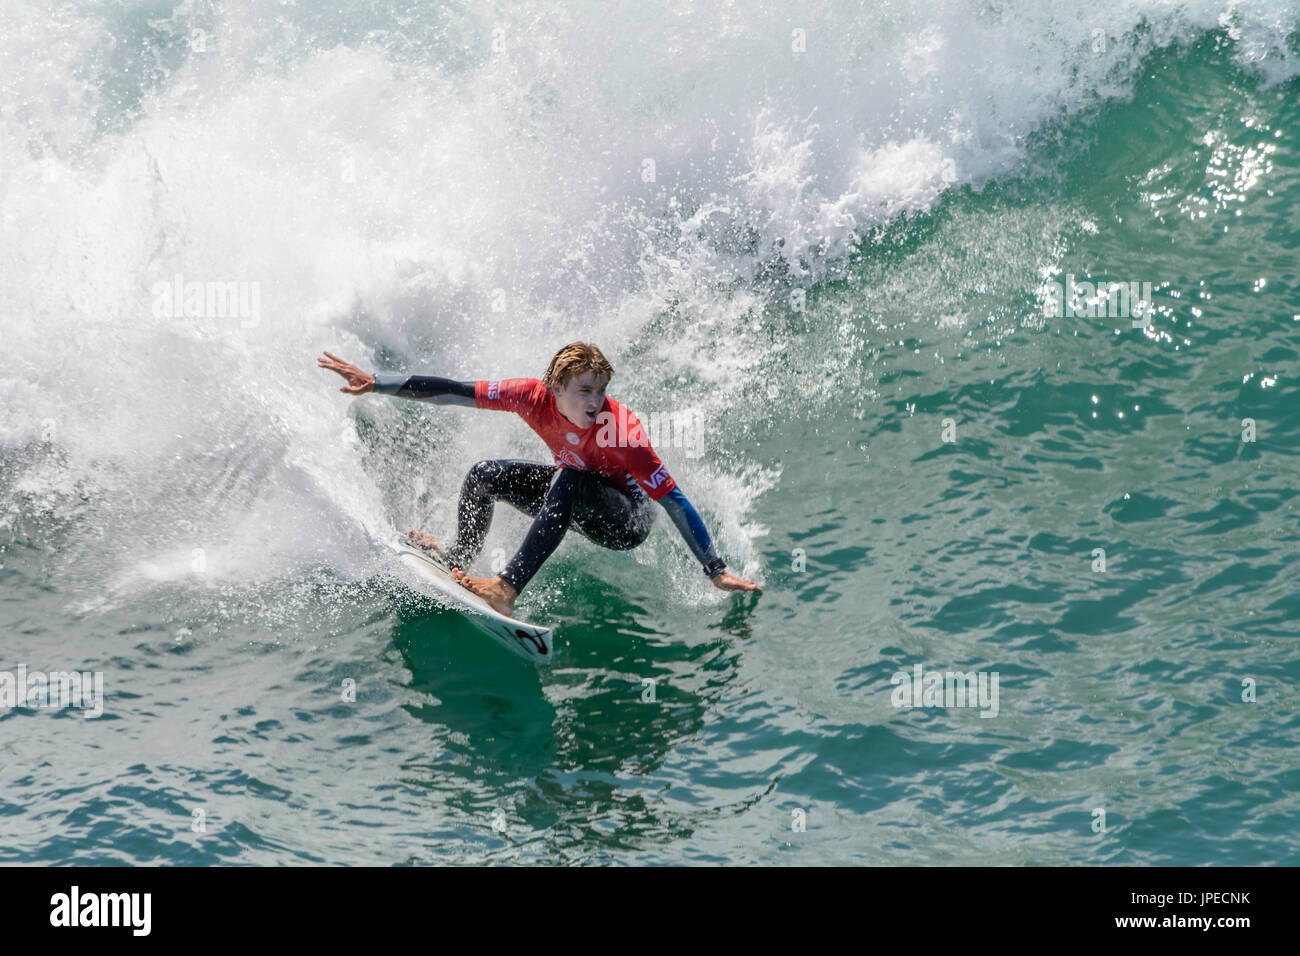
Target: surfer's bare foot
[496, 591]
[427, 541]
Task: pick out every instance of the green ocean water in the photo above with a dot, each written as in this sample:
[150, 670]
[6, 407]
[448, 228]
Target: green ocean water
[918, 462]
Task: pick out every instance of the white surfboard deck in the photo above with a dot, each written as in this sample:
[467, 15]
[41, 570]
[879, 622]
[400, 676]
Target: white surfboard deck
[527, 640]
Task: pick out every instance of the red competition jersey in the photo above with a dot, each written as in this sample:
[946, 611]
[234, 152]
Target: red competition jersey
[616, 446]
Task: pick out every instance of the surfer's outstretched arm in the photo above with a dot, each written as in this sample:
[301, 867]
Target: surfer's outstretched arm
[427, 388]
[691, 525]
[423, 388]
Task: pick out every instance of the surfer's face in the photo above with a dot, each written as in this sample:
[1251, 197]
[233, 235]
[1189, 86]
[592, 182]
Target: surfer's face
[581, 398]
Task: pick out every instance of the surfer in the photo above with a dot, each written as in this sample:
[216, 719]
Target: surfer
[603, 481]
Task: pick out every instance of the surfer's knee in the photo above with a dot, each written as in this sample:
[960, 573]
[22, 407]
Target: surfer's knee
[631, 535]
[612, 519]
[482, 474]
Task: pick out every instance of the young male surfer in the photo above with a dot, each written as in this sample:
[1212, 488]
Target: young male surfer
[603, 481]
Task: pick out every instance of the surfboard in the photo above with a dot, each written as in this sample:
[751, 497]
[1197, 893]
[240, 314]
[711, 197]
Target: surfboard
[528, 640]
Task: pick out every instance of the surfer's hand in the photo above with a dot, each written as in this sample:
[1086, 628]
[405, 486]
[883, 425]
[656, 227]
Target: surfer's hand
[359, 382]
[729, 582]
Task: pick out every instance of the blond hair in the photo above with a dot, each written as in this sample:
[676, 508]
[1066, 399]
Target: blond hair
[574, 359]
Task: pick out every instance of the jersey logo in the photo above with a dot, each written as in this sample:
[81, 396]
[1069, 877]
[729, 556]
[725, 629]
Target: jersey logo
[657, 477]
[573, 439]
[494, 389]
[566, 457]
